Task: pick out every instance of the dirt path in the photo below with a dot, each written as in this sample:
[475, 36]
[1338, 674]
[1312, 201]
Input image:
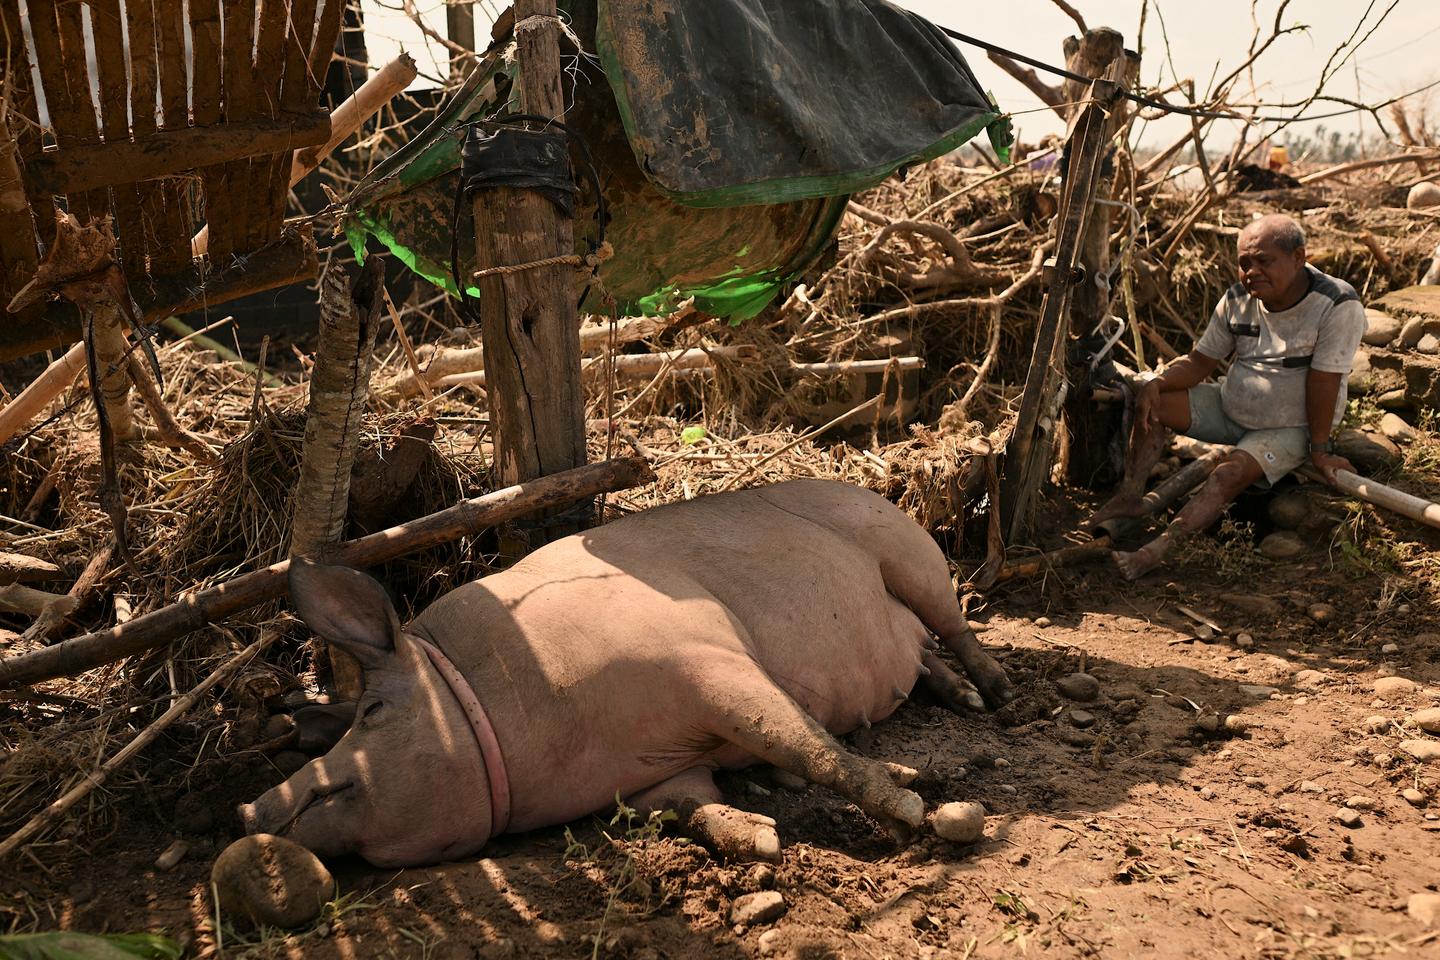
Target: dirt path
[1153, 831]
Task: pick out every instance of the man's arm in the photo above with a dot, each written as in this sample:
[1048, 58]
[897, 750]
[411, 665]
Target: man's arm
[1321, 390]
[1181, 375]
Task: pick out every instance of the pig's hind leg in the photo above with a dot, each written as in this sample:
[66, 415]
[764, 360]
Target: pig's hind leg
[750, 711]
[704, 816]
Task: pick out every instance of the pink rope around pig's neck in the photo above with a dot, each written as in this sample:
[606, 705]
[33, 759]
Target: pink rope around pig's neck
[490, 756]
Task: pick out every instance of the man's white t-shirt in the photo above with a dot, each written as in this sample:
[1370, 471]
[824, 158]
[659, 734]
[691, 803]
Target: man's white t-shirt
[1273, 352]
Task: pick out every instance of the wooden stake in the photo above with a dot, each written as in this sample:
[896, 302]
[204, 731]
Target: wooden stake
[195, 610]
[527, 319]
[43, 389]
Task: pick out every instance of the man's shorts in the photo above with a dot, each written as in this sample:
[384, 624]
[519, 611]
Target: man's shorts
[1278, 450]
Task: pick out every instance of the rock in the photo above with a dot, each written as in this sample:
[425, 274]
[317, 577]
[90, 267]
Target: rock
[1361, 803]
[1370, 452]
[1411, 331]
[1394, 688]
[769, 942]
[1349, 818]
[1207, 793]
[1393, 400]
[1042, 622]
[171, 856]
[1079, 686]
[1235, 725]
[1282, 545]
[1424, 194]
[1375, 724]
[1244, 641]
[1310, 786]
[762, 875]
[960, 822]
[1395, 427]
[1426, 751]
[1380, 328]
[1424, 907]
[1288, 510]
[752, 908]
[1255, 691]
[271, 881]
[1413, 797]
[1082, 718]
[1310, 679]
[1082, 739]
[1390, 648]
[1429, 344]
[1321, 612]
[1427, 719]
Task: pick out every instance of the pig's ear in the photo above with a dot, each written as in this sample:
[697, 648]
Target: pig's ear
[345, 607]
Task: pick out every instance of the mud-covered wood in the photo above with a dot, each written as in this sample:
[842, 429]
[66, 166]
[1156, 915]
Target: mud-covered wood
[194, 610]
[527, 319]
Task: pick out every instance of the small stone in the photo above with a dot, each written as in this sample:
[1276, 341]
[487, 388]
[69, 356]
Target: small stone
[1427, 719]
[1282, 545]
[271, 881]
[762, 875]
[1255, 782]
[1082, 718]
[960, 822]
[1380, 328]
[1411, 331]
[1302, 700]
[1321, 612]
[1390, 648]
[1426, 751]
[1310, 679]
[1042, 622]
[1361, 803]
[752, 908]
[1393, 400]
[1009, 789]
[1235, 724]
[1079, 686]
[1349, 818]
[1256, 691]
[1310, 786]
[1204, 632]
[1394, 688]
[1207, 793]
[1375, 724]
[1404, 609]
[1397, 429]
[1424, 907]
[769, 942]
[1000, 763]
[171, 856]
[1429, 344]
[1424, 194]
[1413, 797]
[1244, 641]
[786, 780]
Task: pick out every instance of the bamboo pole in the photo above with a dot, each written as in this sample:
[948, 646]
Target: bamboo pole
[1174, 487]
[43, 389]
[1373, 491]
[1064, 557]
[197, 609]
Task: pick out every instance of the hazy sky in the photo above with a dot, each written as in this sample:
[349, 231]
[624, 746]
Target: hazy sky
[1206, 36]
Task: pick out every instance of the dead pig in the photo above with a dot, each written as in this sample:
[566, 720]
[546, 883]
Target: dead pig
[633, 660]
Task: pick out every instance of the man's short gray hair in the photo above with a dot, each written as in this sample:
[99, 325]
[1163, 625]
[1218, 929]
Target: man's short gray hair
[1283, 231]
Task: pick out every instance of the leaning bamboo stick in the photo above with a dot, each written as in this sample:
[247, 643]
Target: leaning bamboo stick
[1373, 491]
[43, 389]
[1343, 168]
[859, 366]
[96, 778]
[195, 610]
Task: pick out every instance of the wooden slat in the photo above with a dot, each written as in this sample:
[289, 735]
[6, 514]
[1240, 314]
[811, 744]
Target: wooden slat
[80, 116]
[227, 217]
[110, 60]
[170, 225]
[205, 41]
[238, 71]
[322, 50]
[301, 90]
[143, 68]
[260, 225]
[130, 231]
[172, 151]
[170, 23]
[45, 30]
[20, 137]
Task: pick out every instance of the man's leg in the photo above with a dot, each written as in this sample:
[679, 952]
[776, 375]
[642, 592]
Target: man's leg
[1147, 443]
[1236, 472]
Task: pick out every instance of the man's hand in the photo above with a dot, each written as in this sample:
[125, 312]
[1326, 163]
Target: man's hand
[1328, 463]
[1147, 406]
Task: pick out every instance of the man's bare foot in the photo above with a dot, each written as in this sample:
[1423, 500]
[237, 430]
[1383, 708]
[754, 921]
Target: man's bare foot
[1120, 505]
[1136, 564]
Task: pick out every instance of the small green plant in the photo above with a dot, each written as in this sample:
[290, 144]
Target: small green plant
[622, 874]
[1230, 552]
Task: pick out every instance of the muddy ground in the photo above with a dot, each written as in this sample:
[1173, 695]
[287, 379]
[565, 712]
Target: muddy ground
[1154, 831]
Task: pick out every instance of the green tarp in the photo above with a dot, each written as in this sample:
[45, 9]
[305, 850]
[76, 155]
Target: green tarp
[728, 135]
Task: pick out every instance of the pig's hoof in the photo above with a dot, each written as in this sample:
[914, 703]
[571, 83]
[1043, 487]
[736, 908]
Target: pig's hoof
[735, 834]
[907, 808]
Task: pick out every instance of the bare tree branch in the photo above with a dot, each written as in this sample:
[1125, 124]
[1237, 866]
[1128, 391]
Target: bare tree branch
[1050, 96]
[1073, 14]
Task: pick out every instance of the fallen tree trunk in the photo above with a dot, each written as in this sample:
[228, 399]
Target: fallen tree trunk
[18, 568]
[27, 601]
[195, 610]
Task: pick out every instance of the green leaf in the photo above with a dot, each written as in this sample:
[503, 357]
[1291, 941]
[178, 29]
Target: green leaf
[85, 946]
[692, 435]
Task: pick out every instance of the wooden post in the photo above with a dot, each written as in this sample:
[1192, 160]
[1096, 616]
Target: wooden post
[528, 322]
[1101, 52]
[460, 28]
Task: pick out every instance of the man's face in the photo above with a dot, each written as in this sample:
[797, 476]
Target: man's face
[1268, 272]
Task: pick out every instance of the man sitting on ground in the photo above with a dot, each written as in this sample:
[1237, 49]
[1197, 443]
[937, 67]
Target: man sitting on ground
[1291, 333]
